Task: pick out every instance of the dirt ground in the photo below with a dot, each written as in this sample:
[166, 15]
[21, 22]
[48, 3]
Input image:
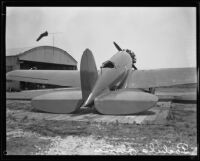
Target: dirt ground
[50, 137]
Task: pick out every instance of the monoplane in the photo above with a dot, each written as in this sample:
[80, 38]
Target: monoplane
[116, 89]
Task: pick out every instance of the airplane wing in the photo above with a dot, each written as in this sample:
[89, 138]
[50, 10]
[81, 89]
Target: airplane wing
[54, 77]
[136, 79]
[161, 77]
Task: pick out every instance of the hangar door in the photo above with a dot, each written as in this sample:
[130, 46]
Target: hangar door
[45, 58]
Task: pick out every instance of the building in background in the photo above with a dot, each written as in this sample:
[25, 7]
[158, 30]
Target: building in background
[41, 58]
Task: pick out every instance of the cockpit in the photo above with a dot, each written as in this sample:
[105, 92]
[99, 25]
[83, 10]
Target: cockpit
[120, 60]
[108, 64]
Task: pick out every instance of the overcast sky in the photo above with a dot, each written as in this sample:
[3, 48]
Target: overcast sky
[161, 37]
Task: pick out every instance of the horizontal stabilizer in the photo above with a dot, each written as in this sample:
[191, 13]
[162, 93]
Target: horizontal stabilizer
[124, 102]
[54, 77]
[58, 102]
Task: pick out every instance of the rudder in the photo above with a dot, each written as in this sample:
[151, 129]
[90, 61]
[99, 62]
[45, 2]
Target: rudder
[88, 73]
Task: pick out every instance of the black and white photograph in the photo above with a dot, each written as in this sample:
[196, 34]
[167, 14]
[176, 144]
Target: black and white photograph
[101, 81]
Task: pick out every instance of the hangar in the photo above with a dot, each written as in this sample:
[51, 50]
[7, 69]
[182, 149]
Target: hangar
[42, 57]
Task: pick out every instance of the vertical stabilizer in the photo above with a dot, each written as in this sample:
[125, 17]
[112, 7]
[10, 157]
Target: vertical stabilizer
[88, 73]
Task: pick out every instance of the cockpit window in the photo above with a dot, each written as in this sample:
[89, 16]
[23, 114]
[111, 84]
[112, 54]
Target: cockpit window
[108, 64]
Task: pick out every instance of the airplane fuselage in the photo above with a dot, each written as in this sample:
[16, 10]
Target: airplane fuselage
[113, 72]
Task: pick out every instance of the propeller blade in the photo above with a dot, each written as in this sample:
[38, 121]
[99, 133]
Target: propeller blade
[117, 46]
[134, 67]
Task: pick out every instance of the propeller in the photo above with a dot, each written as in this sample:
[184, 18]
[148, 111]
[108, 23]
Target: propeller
[117, 46]
[120, 49]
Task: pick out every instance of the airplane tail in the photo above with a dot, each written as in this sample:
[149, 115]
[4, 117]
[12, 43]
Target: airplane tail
[88, 73]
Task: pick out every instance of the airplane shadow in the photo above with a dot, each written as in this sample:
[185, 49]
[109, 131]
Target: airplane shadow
[77, 112]
[92, 110]
[145, 113]
[82, 111]
[37, 111]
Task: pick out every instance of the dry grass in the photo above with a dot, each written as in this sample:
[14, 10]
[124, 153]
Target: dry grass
[180, 128]
[41, 136]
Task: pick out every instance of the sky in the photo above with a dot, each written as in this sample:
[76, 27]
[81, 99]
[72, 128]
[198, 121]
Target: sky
[161, 37]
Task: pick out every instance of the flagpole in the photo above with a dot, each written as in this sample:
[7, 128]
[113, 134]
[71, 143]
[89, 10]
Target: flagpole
[53, 38]
[53, 44]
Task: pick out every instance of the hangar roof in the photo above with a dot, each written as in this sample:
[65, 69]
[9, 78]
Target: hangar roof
[47, 54]
[17, 51]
